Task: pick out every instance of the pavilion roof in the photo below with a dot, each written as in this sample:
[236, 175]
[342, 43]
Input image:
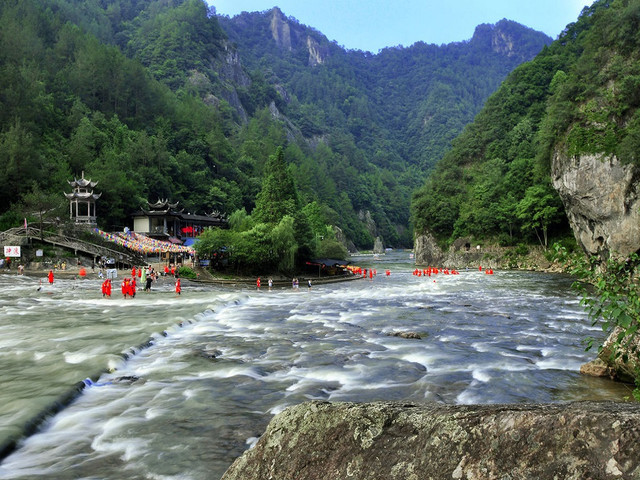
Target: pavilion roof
[163, 205]
[83, 195]
[82, 182]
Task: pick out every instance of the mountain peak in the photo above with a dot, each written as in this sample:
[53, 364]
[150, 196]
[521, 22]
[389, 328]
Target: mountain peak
[280, 29]
[508, 38]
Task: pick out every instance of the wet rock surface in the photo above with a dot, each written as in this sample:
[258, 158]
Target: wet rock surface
[387, 441]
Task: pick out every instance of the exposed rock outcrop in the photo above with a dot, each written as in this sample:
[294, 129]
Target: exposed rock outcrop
[231, 74]
[600, 196]
[370, 224]
[317, 53]
[342, 238]
[388, 441]
[617, 367]
[378, 246]
[280, 29]
[290, 36]
[427, 251]
[465, 253]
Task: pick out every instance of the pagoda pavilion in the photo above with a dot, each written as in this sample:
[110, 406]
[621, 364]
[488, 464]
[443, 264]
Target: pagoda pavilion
[164, 221]
[82, 201]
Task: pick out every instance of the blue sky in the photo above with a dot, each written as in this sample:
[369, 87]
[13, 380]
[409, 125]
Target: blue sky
[374, 24]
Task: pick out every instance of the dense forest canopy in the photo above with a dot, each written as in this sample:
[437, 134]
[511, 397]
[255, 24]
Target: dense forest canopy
[580, 95]
[164, 99]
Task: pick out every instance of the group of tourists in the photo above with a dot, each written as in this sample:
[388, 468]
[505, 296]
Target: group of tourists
[427, 272]
[295, 283]
[144, 275]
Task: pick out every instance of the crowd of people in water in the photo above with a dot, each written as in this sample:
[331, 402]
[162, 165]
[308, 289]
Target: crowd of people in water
[129, 285]
[147, 275]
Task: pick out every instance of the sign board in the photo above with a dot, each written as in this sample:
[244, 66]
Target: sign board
[11, 251]
[39, 253]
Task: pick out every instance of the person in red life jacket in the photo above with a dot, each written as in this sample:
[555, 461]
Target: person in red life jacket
[104, 288]
[258, 283]
[140, 272]
[125, 287]
[166, 270]
[173, 270]
[108, 287]
[132, 287]
[50, 276]
[387, 272]
[133, 272]
[370, 274]
[178, 287]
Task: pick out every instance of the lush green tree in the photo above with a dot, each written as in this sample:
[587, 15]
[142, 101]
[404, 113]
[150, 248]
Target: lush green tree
[329, 247]
[43, 206]
[278, 196]
[284, 245]
[538, 210]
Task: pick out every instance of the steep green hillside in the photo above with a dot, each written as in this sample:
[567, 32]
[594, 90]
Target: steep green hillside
[386, 118]
[162, 99]
[580, 95]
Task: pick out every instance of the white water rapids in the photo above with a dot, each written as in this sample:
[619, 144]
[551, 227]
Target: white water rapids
[221, 362]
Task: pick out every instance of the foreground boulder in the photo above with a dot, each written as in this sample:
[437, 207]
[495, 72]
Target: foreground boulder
[387, 441]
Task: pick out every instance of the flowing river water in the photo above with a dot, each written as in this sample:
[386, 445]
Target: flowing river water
[178, 387]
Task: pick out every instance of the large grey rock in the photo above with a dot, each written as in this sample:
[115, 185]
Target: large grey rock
[600, 196]
[616, 361]
[427, 251]
[389, 441]
[378, 246]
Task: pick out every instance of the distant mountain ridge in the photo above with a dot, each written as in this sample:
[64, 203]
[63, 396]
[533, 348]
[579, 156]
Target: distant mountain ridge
[410, 83]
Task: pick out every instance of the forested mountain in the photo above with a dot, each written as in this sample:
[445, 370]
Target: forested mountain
[579, 96]
[385, 118]
[163, 99]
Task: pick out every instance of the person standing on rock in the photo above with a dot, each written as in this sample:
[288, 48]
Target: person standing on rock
[50, 277]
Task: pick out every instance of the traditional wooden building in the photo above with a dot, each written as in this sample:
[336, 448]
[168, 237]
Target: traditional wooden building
[82, 200]
[163, 220]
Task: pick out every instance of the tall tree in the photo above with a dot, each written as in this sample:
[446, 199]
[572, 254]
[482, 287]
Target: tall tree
[279, 196]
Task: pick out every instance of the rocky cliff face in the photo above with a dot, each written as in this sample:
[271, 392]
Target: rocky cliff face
[387, 441]
[289, 37]
[600, 196]
[503, 38]
[427, 251]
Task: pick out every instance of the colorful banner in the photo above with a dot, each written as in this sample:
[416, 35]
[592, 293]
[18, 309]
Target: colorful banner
[143, 244]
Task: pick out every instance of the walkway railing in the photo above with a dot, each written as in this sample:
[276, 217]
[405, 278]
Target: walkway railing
[19, 236]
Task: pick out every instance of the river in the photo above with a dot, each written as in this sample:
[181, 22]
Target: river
[178, 387]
